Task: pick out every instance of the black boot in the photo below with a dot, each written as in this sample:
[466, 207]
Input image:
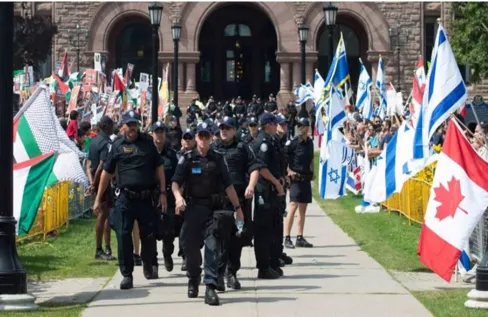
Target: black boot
[220, 284]
[155, 273]
[285, 257]
[148, 271]
[126, 283]
[168, 263]
[183, 265]
[278, 270]
[137, 260]
[268, 274]
[233, 282]
[193, 288]
[211, 297]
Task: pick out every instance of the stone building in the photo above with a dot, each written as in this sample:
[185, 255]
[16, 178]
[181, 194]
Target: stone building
[229, 49]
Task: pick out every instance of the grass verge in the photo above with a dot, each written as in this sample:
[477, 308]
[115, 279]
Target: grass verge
[70, 254]
[46, 310]
[448, 303]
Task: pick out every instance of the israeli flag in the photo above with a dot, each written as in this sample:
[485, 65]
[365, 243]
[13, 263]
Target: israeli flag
[380, 84]
[303, 93]
[393, 167]
[318, 88]
[445, 92]
[332, 172]
[335, 116]
[364, 101]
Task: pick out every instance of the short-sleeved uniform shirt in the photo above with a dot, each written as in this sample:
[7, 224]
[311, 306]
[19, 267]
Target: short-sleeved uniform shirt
[98, 150]
[299, 154]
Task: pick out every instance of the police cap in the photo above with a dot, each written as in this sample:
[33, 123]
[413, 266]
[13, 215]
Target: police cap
[159, 125]
[252, 121]
[267, 118]
[188, 133]
[303, 122]
[105, 121]
[204, 127]
[130, 117]
[228, 122]
[280, 119]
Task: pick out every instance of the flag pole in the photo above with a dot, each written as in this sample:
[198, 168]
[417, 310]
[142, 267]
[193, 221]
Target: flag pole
[13, 277]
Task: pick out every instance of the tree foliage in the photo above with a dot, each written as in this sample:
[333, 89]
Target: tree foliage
[469, 37]
[32, 40]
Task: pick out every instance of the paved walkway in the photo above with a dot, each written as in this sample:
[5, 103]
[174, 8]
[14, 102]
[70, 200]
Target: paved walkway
[335, 279]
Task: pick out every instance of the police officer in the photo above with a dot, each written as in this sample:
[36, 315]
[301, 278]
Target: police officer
[139, 170]
[242, 129]
[266, 199]
[174, 134]
[240, 108]
[252, 108]
[199, 172]
[172, 222]
[271, 105]
[299, 152]
[187, 142]
[240, 162]
[97, 155]
[292, 117]
[253, 130]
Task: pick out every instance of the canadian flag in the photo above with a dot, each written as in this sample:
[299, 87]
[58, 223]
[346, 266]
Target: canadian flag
[420, 73]
[458, 199]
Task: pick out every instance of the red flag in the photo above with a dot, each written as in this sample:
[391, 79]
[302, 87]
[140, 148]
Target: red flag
[63, 69]
[118, 84]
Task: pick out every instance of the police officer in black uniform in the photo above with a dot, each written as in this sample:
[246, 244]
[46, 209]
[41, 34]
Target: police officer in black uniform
[242, 129]
[187, 142]
[299, 153]
[241, 162]
[252, 107]
[266, 199]
[97, 155]
[174, 134]
[240, 108]
[199, 172]
[271, 105]
[171, 222]
[292, 117]
[253, 130]
[139, 170]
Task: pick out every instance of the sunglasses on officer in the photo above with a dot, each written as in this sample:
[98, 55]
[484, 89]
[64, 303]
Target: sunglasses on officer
[187, 137]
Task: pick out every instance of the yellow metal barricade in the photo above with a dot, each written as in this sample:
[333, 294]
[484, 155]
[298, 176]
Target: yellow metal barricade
[412, 200]
[54, 210]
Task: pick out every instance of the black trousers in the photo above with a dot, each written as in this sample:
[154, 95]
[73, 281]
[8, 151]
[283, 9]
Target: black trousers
[230, 257]
[169, 239]
[196, 230]
[265, 228]
[278, 223]
[122, 221]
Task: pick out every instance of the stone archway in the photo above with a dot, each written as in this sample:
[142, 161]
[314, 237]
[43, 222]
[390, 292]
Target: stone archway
[195, 14]
[110, 14]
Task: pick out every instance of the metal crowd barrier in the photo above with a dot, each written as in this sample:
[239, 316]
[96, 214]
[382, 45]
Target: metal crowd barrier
[412, 201]
[60, 204]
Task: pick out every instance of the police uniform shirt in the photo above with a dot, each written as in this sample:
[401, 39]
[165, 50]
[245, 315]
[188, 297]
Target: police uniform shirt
[135, 162]
[98, 150]
[299, 155]
[264, 147]
[174, 137]
[170, 161]
[239, 158]
[281, 142]
[192, 171]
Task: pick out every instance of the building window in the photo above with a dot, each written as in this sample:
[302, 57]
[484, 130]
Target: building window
[205, 69]
[237, 30]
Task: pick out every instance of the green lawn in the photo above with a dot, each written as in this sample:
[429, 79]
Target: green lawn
[448, 303]
[70, 254]
[50, 311]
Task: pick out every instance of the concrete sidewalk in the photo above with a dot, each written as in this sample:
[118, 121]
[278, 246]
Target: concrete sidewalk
[335, 279]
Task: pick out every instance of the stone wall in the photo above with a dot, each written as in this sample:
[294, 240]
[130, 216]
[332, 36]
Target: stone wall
[67, 16]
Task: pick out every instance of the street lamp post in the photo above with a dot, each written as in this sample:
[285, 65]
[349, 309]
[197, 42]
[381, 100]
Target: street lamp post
[155, 13]
[330, 15]
[13, 279]
[302, 37]
[176, 33]
[74, 39]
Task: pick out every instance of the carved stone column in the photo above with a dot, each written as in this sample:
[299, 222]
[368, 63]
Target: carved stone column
[285, 76]
[190, 77]
[296, 75]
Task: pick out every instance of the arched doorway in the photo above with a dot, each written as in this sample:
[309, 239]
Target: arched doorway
[237, 46]
[131, 42]
[355, 39]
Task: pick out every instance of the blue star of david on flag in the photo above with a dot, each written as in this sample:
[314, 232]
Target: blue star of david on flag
[334, 176]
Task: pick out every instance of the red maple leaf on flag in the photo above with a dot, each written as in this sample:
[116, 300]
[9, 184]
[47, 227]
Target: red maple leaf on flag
[450, 199]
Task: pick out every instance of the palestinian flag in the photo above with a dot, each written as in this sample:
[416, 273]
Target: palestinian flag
[67, 167]
[59, 84]
[30, 179]
[120, 87]
[35, 129]
[63, 72]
